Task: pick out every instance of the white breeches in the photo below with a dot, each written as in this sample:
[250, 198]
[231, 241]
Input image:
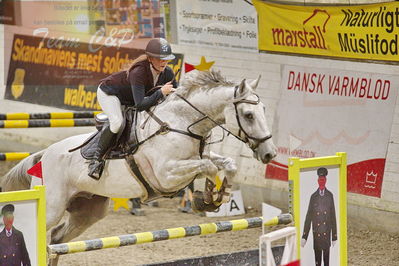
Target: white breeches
[112, 108]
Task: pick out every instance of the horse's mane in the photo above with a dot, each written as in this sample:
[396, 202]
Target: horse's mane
[202, 80]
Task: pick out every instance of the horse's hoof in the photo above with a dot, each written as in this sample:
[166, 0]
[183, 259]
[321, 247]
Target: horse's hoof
[137, 212]
[186, 208]
[153, 204]
[198, 204]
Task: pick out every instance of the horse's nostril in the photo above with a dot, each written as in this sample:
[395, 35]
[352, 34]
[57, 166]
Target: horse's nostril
[268, 157]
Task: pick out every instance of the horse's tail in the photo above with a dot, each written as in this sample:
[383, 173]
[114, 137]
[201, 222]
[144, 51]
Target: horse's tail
[17, 178]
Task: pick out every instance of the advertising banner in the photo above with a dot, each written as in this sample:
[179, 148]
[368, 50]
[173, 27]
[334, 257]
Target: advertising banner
[124, 19]
[7, 11]
[65, 74]
[227, 24]
[357, 31]
[324, 111]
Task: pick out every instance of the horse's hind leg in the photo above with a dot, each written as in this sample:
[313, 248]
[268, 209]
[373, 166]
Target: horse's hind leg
[83, 212]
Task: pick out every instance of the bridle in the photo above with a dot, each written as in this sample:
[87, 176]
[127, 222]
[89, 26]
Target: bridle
[165, 128]
[246, 136]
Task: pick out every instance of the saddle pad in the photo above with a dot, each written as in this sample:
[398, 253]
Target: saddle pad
[88, 150]
[116, 152]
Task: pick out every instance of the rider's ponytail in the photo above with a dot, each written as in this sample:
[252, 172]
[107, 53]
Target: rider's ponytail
[129, 67]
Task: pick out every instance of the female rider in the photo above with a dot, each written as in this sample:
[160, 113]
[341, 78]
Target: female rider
[133, 87]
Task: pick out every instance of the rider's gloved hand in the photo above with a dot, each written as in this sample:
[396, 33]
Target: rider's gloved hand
[167, 88]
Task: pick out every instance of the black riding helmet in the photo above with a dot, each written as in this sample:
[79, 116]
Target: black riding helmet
[159, 48]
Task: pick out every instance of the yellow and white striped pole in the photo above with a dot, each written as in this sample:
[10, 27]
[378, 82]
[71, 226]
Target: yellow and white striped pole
[171, 233]
[47, 123]
[13, 156]
[51, 115]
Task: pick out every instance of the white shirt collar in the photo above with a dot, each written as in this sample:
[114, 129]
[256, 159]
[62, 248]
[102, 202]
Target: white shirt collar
[9, 233]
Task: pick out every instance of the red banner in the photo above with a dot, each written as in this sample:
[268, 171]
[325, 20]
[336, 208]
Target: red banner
[363, 177]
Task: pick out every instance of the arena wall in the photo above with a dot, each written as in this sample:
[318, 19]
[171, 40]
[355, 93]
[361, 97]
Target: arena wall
[376, 213]
[2, 70]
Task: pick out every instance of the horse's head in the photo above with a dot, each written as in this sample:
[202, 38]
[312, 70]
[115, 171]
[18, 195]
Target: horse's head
[210, 95]
[246, 118]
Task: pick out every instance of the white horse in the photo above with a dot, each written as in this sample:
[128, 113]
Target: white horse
[168, 161]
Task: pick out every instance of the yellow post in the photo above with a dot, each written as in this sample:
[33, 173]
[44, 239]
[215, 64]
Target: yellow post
[295, 165]
[41, 226]
[38, 194]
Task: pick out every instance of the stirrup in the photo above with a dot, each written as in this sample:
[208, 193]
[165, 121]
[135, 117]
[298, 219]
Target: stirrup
[96, 169]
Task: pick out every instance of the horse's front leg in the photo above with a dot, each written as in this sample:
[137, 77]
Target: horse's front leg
[228, 165]
[179, 172]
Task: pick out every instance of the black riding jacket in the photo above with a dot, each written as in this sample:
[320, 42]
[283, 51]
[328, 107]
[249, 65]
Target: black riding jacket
[136, 89]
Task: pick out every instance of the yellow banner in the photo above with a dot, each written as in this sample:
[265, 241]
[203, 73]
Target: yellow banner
[362, 31]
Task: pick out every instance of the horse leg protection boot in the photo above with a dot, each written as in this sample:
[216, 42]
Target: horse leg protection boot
[96, 165]
[200, 205]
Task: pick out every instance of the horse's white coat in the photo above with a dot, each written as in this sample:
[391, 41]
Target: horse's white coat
[169, 161]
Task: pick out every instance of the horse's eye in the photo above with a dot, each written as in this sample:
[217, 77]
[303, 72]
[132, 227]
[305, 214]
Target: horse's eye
[249, 116]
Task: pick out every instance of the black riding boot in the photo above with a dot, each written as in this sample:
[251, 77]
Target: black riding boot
[96, 165]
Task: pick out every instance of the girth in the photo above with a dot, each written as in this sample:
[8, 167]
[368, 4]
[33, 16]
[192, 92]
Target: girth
[152, 193]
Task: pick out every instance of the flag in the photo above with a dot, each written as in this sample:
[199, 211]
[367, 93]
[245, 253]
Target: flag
[202, 66]
[188, 67]
[36, 170]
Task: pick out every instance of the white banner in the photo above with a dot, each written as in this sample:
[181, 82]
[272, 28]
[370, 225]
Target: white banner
[324, 111]
[230, 24]
[235, 206]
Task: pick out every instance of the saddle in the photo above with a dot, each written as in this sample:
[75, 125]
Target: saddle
[125, 142]
[125, 146]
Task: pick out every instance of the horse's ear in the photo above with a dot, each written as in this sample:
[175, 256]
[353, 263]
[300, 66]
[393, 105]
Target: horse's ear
[254, 83]
[242, 87]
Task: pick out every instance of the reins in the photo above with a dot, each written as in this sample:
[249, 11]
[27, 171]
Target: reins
[165, 128]
[241, 129]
